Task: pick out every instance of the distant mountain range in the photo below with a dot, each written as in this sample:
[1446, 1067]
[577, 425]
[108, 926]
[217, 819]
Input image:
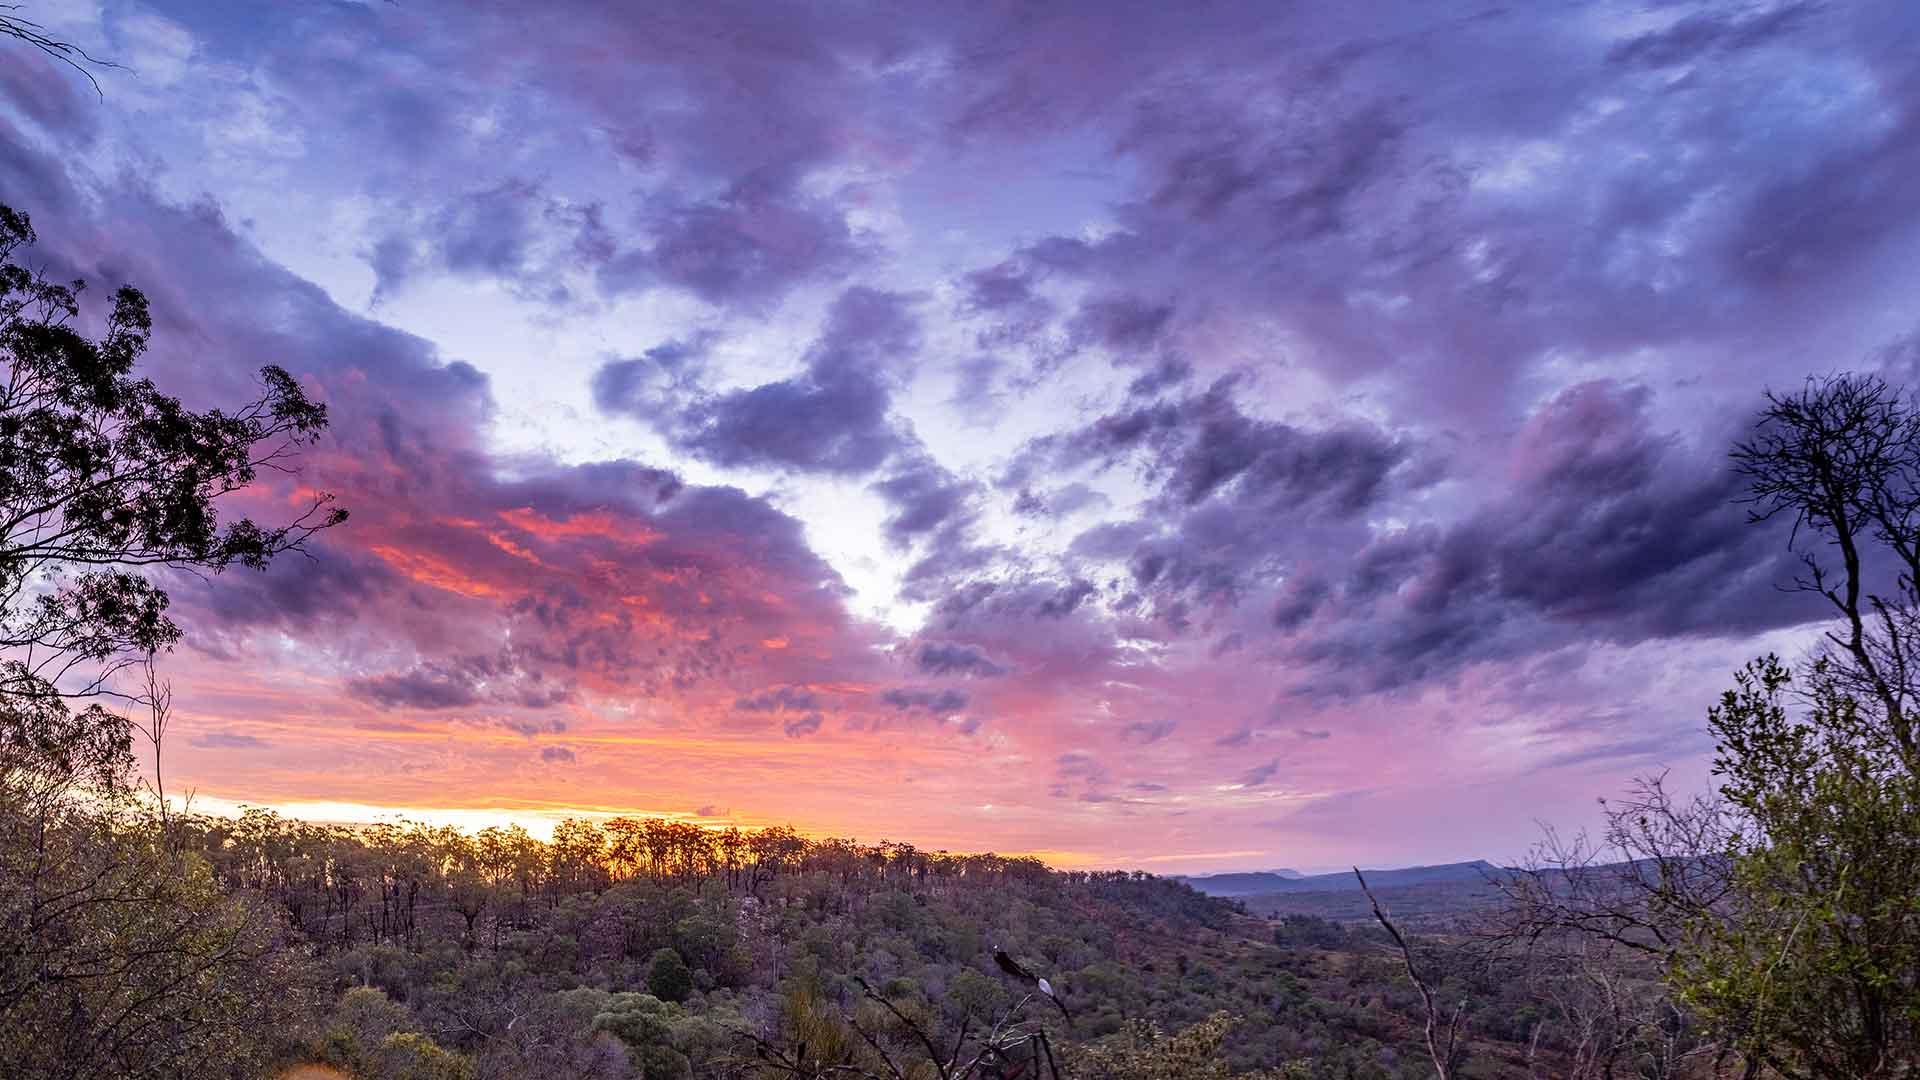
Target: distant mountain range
[1285, 881]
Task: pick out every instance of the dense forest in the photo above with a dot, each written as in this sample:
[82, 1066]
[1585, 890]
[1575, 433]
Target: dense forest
[1769, 927]
[654, 948]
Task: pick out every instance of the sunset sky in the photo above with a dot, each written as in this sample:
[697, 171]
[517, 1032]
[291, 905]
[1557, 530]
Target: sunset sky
[1172, 435]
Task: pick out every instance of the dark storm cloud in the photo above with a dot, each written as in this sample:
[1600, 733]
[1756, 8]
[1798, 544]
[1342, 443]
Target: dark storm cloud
[1222, 480]
[832, 417]
[460, 682]
[940, 703]
[329, 584]
[797, 424]
[1612, 531]
[653, 386]
[1167, 374]
[953, 658]
[924, 497]
[1123, 323]
[935, 514]
[1067, 599]
[1299, 599]
[779, 699]
[1004, 285]
[1402, 196]
[758, 101]
[750, 245]
[1207, 445]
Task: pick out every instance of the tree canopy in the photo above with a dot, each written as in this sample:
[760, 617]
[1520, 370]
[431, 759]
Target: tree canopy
[102, 474]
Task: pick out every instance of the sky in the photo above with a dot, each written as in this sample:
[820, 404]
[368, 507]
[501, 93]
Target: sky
[1179, 436]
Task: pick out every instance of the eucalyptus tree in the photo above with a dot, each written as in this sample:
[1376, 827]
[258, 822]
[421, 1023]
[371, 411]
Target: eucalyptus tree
[122, 952]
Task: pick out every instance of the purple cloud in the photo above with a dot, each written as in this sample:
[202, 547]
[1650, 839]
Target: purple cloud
[1260, 774]
[1125, 366]
[952, 658]
[228, 740]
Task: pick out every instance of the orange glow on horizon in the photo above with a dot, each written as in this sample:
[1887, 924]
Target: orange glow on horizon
[540, 819]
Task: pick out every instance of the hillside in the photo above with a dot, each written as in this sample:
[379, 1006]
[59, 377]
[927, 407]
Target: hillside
[653, 949]
[1231, 885]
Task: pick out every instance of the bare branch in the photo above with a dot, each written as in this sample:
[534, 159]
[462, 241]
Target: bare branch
[1444, 1059]
[66, 52]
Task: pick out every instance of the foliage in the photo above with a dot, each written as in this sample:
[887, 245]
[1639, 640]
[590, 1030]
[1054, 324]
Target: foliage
[409, 1055]
[1142, 1052]
[1817, 969]
[668, 977]
[101, 473]
[644, 1024]
[122, 954]
[1784, 909]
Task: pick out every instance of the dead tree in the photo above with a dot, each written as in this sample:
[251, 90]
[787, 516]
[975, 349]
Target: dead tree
[1444, 1052]
[1011, 1048]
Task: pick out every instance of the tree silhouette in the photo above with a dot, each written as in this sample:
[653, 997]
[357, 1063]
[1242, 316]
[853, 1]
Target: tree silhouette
[32, 33]
[122, 953]
[102, 474]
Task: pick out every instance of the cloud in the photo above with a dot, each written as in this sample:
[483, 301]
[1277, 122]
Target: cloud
[833, 417]
[952, 658]
[555, 755]
[1612, 530]
[228, 740]
[531, 726]
[752, 244]
[1205, 447]
[1697, 36]
[924, 497]
[1260, 774]
[461, 682]
[1366, 378]
[1149, 731]
[797, 726]
[513, 231]
[779, 699]
[941, 703]
[1079, 775]
[651, 387]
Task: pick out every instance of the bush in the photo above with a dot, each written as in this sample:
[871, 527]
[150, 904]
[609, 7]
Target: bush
[668, 977]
